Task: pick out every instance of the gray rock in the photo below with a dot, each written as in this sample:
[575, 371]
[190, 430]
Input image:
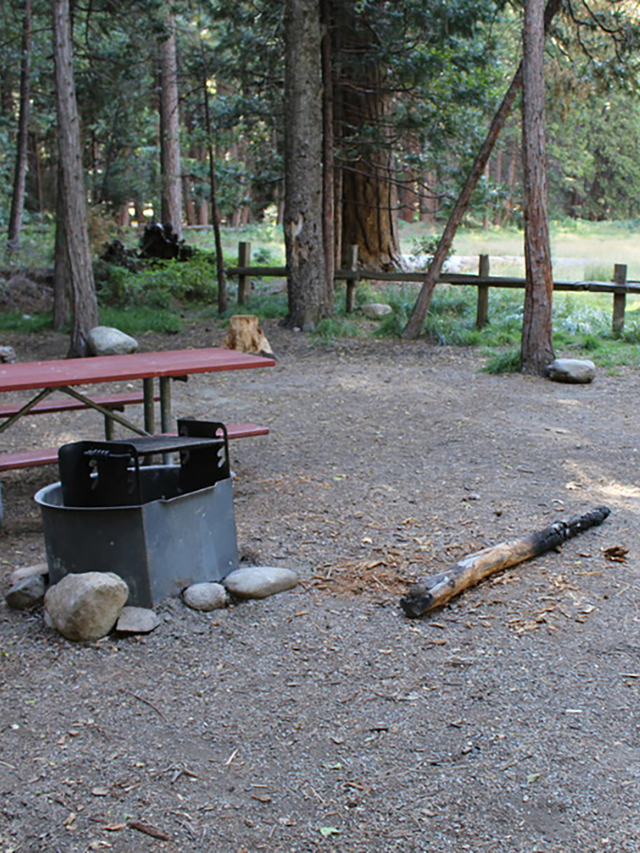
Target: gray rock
[259, 581]
[572, 370]
[85, 606]
[205, 596]
[41, 569]
[27, 593]
[373, 310]
[104, 340]
[137, 620]
[7, 355]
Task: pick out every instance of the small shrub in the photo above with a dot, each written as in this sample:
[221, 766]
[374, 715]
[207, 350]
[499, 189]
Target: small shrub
[331, 328]
[159, 283]
[265, 257]
[631, 333]
[365, 292]
[504, 362]
[591, 343]
[401, 301]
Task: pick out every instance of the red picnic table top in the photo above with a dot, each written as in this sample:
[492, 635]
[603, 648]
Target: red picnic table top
[113, 368]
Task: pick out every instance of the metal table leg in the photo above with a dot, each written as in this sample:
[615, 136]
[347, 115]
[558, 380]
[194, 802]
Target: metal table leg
[149, 413]
[165, 413]
[165, 403]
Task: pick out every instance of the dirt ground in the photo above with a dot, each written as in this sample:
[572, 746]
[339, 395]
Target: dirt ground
[323, 718]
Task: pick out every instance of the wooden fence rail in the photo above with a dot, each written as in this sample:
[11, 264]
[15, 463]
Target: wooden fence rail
[619, 287]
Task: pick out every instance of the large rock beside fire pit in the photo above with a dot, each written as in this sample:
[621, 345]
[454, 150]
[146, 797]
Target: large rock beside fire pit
[259, 581]
[85, 606]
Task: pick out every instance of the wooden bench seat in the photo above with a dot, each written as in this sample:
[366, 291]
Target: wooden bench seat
[49, 455]
[64, 404]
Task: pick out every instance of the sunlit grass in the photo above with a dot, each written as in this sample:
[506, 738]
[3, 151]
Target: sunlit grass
[578, 248]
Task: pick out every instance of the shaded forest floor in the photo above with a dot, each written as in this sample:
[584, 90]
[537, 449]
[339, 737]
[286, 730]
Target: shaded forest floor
[323, 719]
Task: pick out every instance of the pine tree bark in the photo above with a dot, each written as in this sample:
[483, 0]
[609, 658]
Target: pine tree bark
[171, 194]
[84, 305]
[369, 215]
[537, 325]
[308, 288]
[22, 141]
[328, 148]
[61, 270]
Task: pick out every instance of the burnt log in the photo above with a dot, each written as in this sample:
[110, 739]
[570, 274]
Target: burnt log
[440, 588]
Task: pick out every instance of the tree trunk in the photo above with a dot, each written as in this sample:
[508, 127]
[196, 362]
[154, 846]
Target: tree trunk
[428, 199]
[328, 148]
[417, 318]
[35, 187]
[369, 215]
[84, 305]
[188, 201]
[171, 197]
[223, 301]
[537, 325]
[309, 292]
[22, 142]
[61, 271]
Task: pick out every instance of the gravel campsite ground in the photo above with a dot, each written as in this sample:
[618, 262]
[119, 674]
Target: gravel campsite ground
[323, 718]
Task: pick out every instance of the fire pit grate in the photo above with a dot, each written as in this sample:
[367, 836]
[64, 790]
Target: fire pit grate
[108, 473]
[160, 527]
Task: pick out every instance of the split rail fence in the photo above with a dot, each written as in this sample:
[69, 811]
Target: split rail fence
[619, 287]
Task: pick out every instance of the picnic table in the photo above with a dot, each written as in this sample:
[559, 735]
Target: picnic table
[66, 375]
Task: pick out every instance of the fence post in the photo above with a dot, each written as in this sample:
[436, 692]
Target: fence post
[619, 299]
[482, 315]
[244, 260]
[352, 264]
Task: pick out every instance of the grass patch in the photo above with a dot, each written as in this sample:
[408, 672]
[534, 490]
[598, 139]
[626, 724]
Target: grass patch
[597, 272]
[25, 323]
[268, 306]
[141, 318]
[336, 327]
[503, 362]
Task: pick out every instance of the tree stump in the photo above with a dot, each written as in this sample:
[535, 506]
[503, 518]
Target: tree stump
[244, 335]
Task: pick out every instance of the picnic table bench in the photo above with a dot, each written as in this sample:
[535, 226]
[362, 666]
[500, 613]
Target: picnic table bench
[64, 375]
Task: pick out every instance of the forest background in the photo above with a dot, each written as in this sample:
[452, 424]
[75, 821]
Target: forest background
[413, 87]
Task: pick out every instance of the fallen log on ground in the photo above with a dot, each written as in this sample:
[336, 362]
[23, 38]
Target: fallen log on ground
[438, 589]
